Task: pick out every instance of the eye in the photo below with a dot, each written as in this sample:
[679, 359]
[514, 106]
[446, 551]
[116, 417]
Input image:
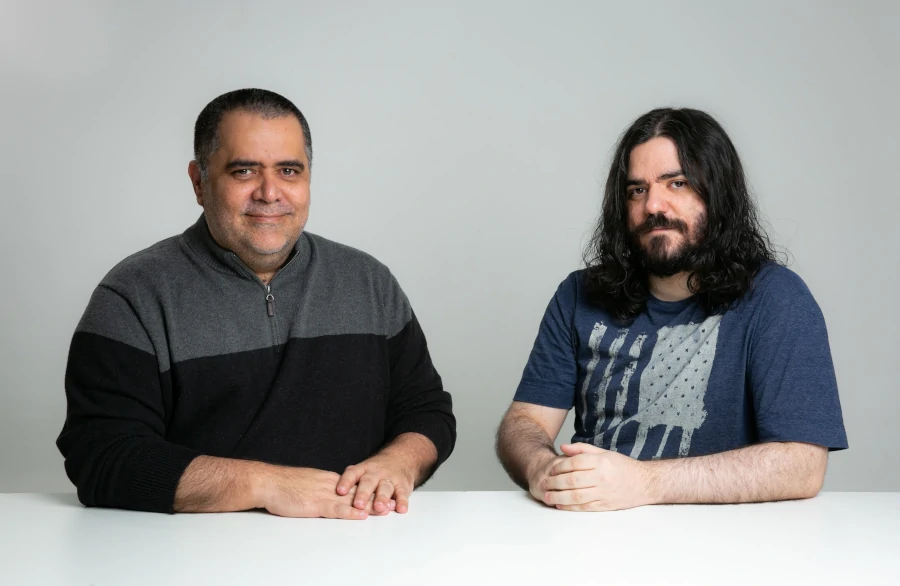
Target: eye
[241, 172]
[679, 184]
[637, 191]
[289, 172]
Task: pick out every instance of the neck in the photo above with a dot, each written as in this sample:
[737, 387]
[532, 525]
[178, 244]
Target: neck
[265, 268]
[674, 288]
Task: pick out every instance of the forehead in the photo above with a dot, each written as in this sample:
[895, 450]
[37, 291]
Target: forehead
[246, 134]
[653, 158]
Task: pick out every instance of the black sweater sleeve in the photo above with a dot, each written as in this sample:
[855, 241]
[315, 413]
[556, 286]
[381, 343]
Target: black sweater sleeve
[113, 437]
[418, 402]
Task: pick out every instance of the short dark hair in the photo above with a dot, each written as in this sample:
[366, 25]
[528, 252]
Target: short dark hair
[732, 250]
[263, 102]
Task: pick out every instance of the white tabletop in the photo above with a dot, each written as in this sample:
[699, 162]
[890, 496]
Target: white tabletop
[458, 538]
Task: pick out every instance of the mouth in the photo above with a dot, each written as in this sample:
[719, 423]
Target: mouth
[265, 219]
[659, 231]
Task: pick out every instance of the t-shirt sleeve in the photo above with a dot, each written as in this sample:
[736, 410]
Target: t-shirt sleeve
[791, 373]
[550, 376]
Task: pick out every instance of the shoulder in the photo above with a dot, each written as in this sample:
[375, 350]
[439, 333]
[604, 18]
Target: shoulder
[335, 254]
[778, 285]
[144, 270]
[359, 279]
[779, 300]
[569, 298]
[572, 286]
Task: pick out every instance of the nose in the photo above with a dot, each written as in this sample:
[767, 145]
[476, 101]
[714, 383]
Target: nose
[267, 190]
[656, 201]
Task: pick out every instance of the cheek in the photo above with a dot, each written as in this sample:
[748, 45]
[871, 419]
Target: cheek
[232, 197]
[299, 198]
[635, 217]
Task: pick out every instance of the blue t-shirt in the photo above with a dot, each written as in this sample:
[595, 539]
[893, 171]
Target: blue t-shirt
[679, 381]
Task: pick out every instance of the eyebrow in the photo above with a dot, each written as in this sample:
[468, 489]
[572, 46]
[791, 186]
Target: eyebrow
[292, 163]
[670, 175]
[244, 163]
[241, 163]
[663, 177]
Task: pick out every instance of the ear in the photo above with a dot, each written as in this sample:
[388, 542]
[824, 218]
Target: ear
[196, 181]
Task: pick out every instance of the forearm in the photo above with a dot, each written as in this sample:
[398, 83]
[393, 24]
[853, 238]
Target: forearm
[764, 472]
[218, 485]
[417, 451]
[523, 447]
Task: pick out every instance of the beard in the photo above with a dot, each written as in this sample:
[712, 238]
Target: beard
[656, 256]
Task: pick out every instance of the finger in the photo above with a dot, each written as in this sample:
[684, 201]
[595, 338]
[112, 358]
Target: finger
[365, 488]
[568, 481]
[401, 493]
[370, 508]
[577, 496]
[580, 448]
[383, 495]
[574, 464]
[338, 510]
[349, 478]
[583, 507]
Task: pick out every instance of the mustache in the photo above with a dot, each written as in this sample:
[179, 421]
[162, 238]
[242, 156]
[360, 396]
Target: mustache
[660, 221]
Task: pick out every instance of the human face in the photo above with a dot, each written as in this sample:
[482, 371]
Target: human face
[255, 194]
[666, 217]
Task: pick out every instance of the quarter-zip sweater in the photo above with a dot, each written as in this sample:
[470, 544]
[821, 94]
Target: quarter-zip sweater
[183, 351]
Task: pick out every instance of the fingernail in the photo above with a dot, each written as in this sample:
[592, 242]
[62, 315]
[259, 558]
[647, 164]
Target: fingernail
[360, 503]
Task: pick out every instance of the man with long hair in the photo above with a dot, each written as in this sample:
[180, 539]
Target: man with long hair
[698, 366]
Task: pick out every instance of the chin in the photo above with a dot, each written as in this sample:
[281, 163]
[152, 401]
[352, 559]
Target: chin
[264, 246]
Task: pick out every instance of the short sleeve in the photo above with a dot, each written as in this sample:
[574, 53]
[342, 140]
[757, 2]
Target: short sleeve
[791, 373]
[550, 376]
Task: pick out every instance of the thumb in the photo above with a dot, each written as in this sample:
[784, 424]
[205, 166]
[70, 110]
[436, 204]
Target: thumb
[580, 448]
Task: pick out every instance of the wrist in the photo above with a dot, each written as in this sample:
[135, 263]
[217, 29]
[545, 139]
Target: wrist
[538, 465]
[260, 484]
[411, 453]
[650, 474]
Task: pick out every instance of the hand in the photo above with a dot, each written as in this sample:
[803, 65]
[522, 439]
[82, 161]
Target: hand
[307, 492]
[539, 472]
[381, 477]
[593, 479]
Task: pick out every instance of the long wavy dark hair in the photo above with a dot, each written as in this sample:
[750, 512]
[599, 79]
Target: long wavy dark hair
[731, 252]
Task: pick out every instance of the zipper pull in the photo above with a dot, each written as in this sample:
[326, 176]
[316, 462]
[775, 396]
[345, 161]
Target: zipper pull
[270, 302]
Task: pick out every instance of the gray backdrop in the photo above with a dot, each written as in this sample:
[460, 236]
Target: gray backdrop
[465, 146]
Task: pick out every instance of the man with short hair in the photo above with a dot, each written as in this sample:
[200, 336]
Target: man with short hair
[247, 363]
[698, 367]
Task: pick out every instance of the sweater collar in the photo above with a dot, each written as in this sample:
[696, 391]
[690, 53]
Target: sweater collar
[200, 240]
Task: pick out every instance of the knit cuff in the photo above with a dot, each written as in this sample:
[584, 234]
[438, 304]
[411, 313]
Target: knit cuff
[434, 426]
[156, 477]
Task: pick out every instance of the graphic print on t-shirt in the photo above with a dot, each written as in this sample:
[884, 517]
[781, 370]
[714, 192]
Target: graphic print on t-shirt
[671, 389]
